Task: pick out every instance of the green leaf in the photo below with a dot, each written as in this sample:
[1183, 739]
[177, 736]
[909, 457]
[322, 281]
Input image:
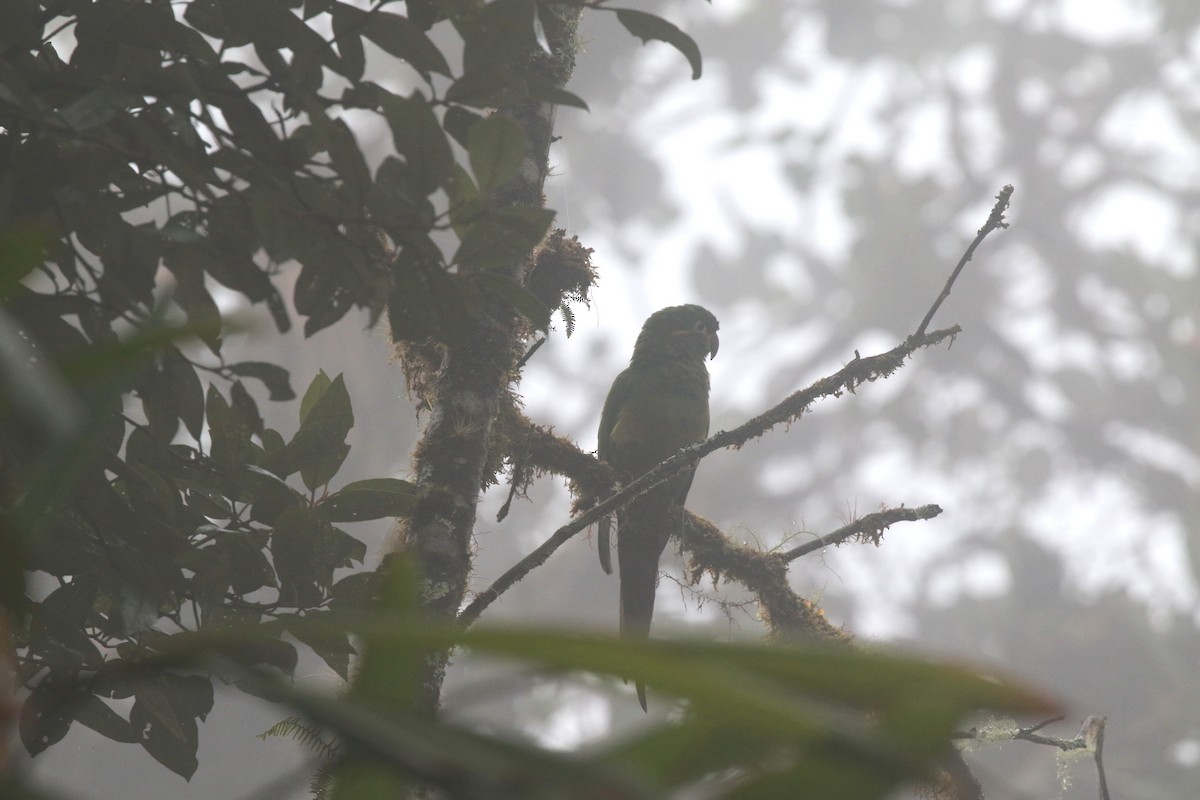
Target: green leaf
[496, 147]
[319, 295]
[273, 376]
[465, 204]
[95, 713]
[160, 139]
[648, 27]
[14, 560]
[544, 90]
[394, 202]
[185, 385]
[319, 447]
[393, 34]
[673, 755]
[488, 88]
[355, 591]
[35, 389]
[20, 28]
[498, 36]
[230, 431]
[136, 25]
[268, 493]
[364, 94]
[778, 716]
[17, 92]
[245, 407]
[164, 711]
[272, 26]
[292, 544]
[272, 440]
[425, 13]
[347, 156]
[515, 295]
[47, 713]
[317, 387]
[389, 679]
[503, 237]
[335, 549]
[332, 645]
[158, 404]
[863, 722]
[249, 569]
[314, 7]
[22, 249]
[189, 263]
[458, 123]
[94, 109]
[59, 623]
[397, 36]
[426, 301]
[205, 502]
[266, 651]
[375, 498]
[420, 140]
[191, 694]
[347, 24]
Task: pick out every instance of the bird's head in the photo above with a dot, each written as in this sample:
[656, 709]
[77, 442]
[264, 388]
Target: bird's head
[689, 330]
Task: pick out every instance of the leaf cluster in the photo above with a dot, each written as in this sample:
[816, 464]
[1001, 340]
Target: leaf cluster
[758, 720]
[184, 539]
[161, 162]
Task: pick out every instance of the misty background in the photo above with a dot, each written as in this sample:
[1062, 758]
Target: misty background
[814, 190]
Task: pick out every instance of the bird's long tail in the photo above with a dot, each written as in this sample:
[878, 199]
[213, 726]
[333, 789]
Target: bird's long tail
[639, 546]
[604, 544]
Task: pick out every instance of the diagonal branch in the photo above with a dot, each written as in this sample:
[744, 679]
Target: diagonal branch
[995, 220]
[788, 615]
[595, 478]
[847, 379]
[467, 391]
[871, 526]
[1090, 738]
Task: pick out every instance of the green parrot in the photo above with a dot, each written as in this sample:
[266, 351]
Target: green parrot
[658, 405]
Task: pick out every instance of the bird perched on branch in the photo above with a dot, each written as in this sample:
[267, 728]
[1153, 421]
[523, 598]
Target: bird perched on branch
[658, 405]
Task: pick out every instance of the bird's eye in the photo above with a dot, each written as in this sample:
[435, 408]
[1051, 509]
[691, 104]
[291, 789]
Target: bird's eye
[700, 325]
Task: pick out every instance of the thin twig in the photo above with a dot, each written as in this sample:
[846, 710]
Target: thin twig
[1043, 724]
[539, 556]
[529, 353]
[518, 472]
[1090, 737]
[1092, 732]
[995, 220]
[873, 524]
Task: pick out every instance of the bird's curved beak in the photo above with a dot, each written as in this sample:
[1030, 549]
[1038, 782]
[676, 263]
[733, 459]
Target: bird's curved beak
[714, 344]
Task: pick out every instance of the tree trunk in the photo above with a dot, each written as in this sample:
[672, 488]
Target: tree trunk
[452, 462]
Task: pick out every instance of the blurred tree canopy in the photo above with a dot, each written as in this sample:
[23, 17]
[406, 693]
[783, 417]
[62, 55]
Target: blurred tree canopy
[848, 149]
[163, 162]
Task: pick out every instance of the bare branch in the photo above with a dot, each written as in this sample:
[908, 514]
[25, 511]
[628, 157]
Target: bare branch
[871, 526]
[995, 220]
[540, 555]
[789, 616]
[1090, 738]
[466, 394]
[847, 379]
